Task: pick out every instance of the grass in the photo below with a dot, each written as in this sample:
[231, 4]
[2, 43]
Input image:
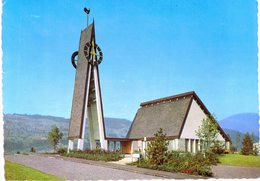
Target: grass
[14, 171]
[240, 160]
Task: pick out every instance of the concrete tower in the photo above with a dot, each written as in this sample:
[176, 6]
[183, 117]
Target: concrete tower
[87, 100]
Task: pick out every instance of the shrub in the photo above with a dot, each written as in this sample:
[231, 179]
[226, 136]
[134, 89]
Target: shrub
[255, 150]
[97, 154]
[157, 149]
[218, 150]
[212, 158]
[62, 151]
[184, 162]
[227, 151]
[233, 149]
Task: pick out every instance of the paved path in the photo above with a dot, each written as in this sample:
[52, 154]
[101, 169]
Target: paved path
[224, 171]
[80, 169]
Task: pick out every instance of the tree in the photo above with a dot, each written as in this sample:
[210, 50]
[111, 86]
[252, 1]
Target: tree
[238, 141]
[208, 133]
[252, 136]
[54, 137]
[157, 149]
[33, 150]
[255, 150]
[247, 145]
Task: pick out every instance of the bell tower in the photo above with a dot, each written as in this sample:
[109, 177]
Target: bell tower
[87, 99]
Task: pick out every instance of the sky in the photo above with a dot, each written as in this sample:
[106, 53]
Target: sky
[152, 49]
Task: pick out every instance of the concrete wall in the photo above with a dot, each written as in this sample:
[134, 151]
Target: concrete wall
[193, 121]
[181, 144]
[137, 145]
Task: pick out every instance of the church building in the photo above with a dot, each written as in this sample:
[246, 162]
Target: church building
[179, 116]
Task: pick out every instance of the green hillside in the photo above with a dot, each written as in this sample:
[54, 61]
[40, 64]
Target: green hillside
[21, 132]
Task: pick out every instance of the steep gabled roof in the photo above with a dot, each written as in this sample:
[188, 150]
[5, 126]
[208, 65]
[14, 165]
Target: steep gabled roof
[168, 113]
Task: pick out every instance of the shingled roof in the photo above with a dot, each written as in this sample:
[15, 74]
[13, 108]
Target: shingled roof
[168, 113]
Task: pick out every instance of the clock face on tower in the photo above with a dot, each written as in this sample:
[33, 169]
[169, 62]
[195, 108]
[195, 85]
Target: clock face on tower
[93, 53]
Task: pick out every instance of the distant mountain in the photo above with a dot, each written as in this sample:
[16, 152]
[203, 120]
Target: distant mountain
[245, 122]
[21, 131]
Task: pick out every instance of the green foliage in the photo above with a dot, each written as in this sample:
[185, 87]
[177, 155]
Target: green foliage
[62, 151]
[98, 154]
[238, 141]
[137, 151]
[54, 137]
[218, 148]
[25, 131]
[182, 162]
[14, 171]
[211, 157]
[157, 149]
[233, 149]
[255, 150]
[247, 148]
[208, 133]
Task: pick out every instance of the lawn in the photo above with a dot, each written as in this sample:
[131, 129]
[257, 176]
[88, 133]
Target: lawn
[240, 160]
[14, 171]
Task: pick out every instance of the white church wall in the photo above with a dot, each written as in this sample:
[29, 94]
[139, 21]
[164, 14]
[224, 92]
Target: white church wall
[193, 121]
[171, 145]
[181, 145]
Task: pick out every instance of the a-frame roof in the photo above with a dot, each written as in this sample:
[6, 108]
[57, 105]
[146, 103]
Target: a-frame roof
[168, 113]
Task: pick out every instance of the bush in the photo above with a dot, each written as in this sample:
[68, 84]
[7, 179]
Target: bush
[183, 162]
[212, 158]
[97, 154]
[233, 149]
[255, 150]
[62, 151]
[218, 150]
[157, 149]
[227, 151]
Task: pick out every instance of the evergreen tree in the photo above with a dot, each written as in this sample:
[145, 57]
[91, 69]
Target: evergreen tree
[252, 137]
[238, 141]
[247, 145]
[157, 149]
[54, 137]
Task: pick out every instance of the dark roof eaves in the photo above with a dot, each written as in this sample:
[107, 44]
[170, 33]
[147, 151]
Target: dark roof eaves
[170, 98]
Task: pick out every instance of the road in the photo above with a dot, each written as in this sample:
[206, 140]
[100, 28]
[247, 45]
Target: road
[225, 171]
[73, 170]
[80, 169]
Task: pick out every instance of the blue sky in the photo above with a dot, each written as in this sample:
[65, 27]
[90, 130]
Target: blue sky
[152, 49]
